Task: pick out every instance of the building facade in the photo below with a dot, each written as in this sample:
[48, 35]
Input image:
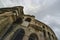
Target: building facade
[15, 25]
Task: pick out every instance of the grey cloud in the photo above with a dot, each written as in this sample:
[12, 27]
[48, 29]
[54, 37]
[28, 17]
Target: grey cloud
[41, 9]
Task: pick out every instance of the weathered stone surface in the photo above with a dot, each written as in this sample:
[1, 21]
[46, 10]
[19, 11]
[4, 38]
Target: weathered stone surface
[15, 25]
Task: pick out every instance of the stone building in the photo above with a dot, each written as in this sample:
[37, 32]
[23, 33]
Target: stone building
[15, 25]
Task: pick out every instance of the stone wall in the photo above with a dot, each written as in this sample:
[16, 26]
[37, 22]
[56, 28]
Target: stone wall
[15, 25]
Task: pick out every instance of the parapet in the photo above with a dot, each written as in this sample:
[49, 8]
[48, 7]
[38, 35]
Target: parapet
[19, 9]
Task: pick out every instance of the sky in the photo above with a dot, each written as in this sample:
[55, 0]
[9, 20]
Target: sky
[47, 11]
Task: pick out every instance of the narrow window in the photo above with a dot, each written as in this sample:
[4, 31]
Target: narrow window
[19, 34]
[52, 36]
[49, 36]
[33, 36]
[44, 32]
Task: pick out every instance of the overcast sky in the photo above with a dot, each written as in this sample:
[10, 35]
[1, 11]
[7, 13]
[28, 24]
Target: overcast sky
[47, 11]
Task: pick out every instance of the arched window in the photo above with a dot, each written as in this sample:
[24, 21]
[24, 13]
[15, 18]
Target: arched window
[28, 19]
[44, 33]
[33, 36]
[19, 34]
